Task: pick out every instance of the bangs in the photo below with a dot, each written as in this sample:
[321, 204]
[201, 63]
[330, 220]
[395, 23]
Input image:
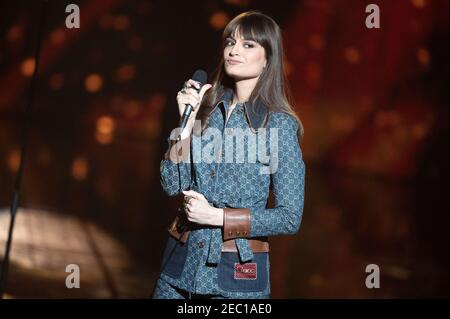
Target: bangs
[249, 28]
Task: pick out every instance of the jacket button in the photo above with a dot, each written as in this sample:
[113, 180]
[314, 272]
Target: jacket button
[230, 233]
[200, 244]
[230, 131]
[213, 174]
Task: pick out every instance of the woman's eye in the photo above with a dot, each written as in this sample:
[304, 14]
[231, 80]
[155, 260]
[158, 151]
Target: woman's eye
[245, 45]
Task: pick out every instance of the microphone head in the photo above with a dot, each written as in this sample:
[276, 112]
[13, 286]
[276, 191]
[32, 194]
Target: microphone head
[200, 76]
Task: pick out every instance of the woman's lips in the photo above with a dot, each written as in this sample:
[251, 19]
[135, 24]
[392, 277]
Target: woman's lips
[233, 62]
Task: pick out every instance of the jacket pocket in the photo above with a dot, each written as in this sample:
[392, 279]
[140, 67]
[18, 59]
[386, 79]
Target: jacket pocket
[174, 257]
[235, 276]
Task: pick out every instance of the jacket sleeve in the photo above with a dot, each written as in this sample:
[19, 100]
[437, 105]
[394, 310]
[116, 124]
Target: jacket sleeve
[170, 174]
[288, 181]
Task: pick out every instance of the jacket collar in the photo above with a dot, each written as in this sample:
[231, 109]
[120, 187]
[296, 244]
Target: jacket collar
[257, 114]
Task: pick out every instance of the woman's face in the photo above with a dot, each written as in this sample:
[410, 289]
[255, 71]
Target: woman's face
[244, 59]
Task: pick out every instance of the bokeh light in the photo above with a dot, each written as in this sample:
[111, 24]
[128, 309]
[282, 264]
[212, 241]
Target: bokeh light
[352, 55]
[28, 66]
[14, 33]
[80, 168]
[13, 160]
[105, 125]
[316, 41]
[56, 81]
[419, 3]
[218, 20]
[93, 82]
[121, 22]
[125, 73]
[423, 56]
[57, 36]
[105, 129]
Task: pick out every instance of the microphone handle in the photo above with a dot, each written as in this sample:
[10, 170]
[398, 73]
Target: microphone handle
[185, 117]
[186, 114]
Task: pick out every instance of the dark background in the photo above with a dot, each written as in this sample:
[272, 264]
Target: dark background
[374, 104]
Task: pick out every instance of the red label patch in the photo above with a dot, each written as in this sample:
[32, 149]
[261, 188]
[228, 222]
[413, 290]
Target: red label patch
[246, 271]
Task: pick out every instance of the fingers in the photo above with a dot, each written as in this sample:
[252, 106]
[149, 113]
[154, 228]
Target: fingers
[203, 90]
[191, 86]
[189, 91]
[188, 208]
[190, 95]
[195, 206]
[193, 194]
[189, 193]
[187, 204]
[188, 99]
[190, 198]
[191, 83]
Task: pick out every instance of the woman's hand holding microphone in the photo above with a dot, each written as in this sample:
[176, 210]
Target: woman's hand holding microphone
[191, 94]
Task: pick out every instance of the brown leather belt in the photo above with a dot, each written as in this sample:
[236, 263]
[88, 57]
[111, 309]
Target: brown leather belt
[257, 245]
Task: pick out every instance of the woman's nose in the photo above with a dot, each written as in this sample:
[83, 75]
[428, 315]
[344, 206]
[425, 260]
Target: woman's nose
[234, 50]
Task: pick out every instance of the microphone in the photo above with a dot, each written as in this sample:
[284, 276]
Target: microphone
[201, 77]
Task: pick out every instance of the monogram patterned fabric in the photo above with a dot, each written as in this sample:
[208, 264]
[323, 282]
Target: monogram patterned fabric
[231, 170]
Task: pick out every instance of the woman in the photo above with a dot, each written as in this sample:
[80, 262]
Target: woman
[218, 246]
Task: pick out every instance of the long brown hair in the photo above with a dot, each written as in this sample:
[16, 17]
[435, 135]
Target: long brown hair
[271, 88]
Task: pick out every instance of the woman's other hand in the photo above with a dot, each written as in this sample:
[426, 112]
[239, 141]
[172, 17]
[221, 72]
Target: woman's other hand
[199, 211]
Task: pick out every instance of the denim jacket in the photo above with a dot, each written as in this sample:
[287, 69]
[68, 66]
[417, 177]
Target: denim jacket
[235, 164]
